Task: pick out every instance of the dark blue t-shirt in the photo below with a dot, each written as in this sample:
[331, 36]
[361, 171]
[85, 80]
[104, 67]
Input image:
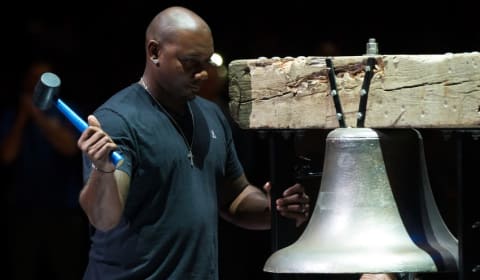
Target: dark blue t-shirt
[169, 226]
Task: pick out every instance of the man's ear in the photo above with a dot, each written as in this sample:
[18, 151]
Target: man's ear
[153, 50]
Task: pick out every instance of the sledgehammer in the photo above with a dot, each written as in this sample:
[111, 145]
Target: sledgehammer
[46, 94]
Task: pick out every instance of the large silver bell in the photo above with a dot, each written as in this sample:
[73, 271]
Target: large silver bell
[375, 211]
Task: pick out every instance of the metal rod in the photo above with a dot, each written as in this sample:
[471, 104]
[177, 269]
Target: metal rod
[362, 108]
[460, 214]
[334, 93]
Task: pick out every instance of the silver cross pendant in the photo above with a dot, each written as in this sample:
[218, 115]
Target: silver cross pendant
[190, 157]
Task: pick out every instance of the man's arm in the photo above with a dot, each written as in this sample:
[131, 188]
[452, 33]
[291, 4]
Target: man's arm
[62, 138]
[251, 207]
[103, 198]
[10, 145]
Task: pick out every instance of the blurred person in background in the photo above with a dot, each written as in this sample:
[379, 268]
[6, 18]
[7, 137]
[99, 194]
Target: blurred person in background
[40, 162]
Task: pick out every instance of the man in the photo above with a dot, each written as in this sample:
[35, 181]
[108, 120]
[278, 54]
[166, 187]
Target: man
[155, 215]
[41, 181]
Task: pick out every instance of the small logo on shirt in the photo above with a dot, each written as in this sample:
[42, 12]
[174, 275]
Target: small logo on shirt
[212, 133]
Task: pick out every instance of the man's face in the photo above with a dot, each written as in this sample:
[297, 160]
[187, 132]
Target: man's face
[184, 63]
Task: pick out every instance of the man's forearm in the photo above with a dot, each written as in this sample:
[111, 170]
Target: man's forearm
[251, 209]
[101, 201]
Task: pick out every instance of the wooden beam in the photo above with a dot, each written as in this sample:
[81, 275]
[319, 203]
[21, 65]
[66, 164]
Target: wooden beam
[423, 91]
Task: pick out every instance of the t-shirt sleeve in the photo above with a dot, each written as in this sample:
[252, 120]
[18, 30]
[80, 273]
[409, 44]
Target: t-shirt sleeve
[233, 168]
[117, 128]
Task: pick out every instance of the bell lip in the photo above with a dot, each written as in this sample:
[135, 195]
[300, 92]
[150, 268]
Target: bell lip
[283, 261]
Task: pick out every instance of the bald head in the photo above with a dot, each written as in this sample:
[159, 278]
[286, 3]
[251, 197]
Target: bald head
[172, 20]
[178, 48]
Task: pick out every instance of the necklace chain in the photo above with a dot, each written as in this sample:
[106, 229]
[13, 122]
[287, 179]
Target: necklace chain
[174, 122]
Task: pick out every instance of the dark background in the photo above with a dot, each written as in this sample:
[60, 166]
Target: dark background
[98, 48]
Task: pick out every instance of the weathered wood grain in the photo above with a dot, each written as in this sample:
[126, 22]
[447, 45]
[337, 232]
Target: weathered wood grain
[423, 91]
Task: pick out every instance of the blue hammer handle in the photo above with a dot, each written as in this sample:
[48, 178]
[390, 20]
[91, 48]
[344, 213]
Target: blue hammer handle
[81, 125]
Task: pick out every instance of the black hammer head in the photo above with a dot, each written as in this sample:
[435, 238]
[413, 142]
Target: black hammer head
[46, 90]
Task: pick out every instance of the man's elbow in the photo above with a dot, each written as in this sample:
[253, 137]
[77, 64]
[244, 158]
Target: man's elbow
[105, 225]
[102, 223]
[99, 220]
[250, 210]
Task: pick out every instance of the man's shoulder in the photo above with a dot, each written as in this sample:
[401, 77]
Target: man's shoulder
[207, 105]
[126, 100]
[126, 104]
[202, 101]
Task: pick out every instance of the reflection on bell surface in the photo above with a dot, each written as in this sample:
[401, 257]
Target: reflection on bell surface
[375, 211]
